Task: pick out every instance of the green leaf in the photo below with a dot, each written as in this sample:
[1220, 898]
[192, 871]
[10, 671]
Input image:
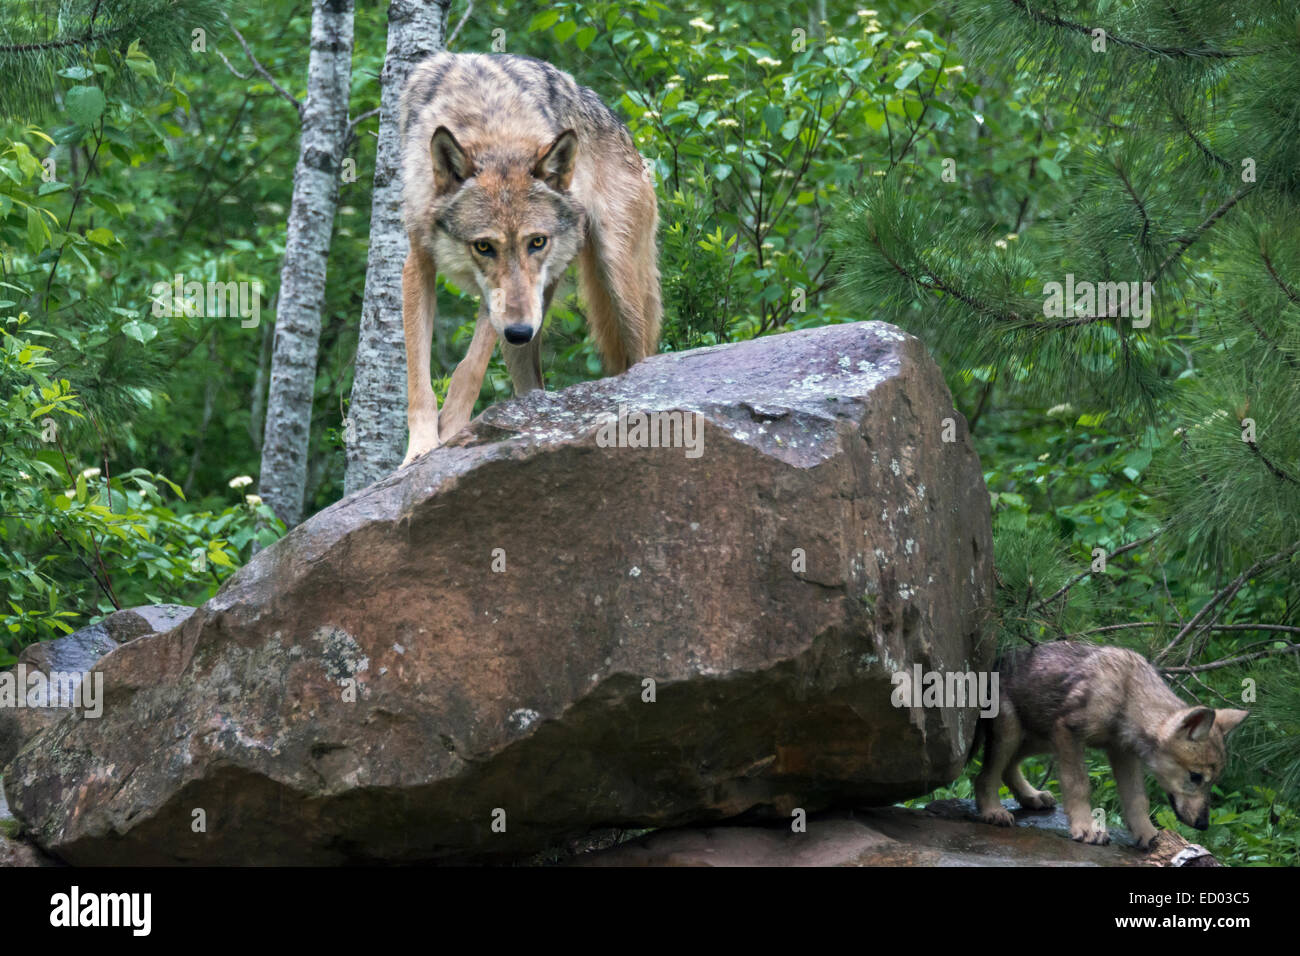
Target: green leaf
[773, 117]
[910, 72]
[142, 332]
[544, 20]
[85, 104]
[38, 233]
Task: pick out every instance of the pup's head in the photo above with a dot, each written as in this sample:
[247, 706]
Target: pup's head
[507, 222]
[1190, 757]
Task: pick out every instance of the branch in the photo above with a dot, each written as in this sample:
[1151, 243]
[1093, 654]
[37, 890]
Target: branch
[934, 283]
[1225, 595]
[1283, 628]
[352, 126]
[1277, 472]
[469, 8]
[1281, 283]
[1178, 52]
[298, 107]
[1079, 577]
[1229, 661]
[1186, 242]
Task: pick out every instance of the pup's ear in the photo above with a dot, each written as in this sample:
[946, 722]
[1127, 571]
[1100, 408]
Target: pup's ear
[1227, 720]
[555, 165]
[451, 167]
[1195, 722]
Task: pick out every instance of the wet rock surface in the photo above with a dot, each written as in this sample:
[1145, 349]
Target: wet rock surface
[945, 833]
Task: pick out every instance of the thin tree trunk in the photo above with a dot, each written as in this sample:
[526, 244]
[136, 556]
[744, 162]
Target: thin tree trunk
[376, 428]
[209, 404]
[257, 401]
[302, 276]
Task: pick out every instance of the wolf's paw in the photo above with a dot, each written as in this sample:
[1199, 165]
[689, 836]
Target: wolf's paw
[999, 816]
[1089, 833]
[1039, 800]
[417, 449]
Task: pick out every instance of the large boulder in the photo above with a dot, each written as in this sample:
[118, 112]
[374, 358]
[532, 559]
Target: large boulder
[528, 633]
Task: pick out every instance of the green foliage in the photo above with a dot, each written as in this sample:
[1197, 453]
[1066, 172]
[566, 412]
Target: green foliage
[75, 544]
[86, 524]
[1155, 152]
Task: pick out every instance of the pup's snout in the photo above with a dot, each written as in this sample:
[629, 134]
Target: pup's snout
[518, 334]
[1202, 821]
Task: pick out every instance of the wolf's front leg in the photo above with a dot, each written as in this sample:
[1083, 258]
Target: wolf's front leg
[467, 380]
[1075, 789]
[419, 301]
[1133, 795]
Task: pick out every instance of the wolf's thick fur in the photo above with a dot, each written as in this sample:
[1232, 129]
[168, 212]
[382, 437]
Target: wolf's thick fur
[510, 171]
[1062, 697]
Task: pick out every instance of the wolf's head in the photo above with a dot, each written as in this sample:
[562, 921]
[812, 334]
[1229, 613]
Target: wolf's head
[1189, 758]
[506, 223]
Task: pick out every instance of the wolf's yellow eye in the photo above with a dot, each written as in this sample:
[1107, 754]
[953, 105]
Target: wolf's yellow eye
[483, 247]
[537, 242]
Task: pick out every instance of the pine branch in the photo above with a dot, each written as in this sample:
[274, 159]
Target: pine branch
[1225, 595]
[1281, 283]
[1176, 52]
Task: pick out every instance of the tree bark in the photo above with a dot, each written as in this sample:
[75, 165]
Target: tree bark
[302, 276]
[376, 426]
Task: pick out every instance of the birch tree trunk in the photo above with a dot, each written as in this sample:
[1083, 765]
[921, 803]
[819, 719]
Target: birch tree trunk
[302, 276]
[376, 427]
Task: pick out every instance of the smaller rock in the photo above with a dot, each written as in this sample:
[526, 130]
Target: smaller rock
[78, 653]
[15, 851]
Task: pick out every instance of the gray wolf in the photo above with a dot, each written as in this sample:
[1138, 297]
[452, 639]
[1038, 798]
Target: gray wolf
[511, 170]
[1062, 697]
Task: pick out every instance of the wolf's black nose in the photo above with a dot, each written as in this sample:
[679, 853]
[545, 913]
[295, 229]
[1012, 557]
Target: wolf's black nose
[518, 334]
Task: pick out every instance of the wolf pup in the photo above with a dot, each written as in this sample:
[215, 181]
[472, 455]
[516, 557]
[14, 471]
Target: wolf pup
[1061, 697]
[510, 171]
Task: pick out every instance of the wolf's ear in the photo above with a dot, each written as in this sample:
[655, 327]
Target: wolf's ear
[451, 166]
[1195, 722]
[1227, 720]
[555, 166]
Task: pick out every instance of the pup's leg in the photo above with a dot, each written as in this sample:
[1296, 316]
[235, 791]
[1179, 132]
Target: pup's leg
[419, 303]
[468, 378]
[1133, 795]
[1026, 793]
[620, 270]
[999, 753]
[1074, 787]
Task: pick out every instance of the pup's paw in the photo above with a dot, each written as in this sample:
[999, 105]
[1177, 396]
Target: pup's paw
[1039, 800]
[1145, 836]
[999, 816]
[1089, 832]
